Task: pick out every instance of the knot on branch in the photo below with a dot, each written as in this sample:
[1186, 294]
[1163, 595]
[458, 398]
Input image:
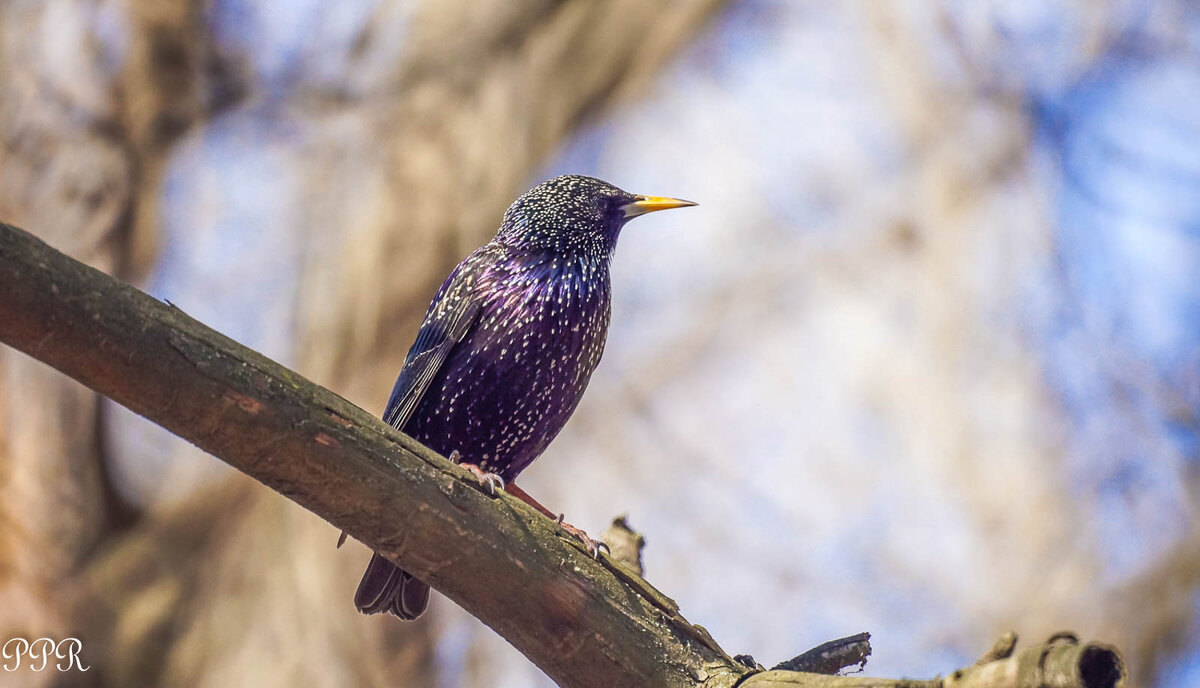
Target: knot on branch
[1060, 662]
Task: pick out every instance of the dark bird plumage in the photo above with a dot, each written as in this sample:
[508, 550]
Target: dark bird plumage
[508, 345]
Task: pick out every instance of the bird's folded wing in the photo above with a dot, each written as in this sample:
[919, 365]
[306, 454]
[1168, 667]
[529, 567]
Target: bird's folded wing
[450, 317]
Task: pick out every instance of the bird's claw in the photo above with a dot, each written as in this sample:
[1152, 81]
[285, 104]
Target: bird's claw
[490, 482]
[593, 547]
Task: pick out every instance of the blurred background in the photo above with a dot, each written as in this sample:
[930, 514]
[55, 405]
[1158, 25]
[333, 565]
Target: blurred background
[924, 362]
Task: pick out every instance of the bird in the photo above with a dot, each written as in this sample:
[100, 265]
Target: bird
[507, 347]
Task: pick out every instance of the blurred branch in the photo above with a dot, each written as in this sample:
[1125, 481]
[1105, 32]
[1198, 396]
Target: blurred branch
[584, 622]
[625, 544]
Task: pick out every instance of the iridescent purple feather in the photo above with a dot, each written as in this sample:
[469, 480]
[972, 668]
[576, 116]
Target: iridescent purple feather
[507, 347]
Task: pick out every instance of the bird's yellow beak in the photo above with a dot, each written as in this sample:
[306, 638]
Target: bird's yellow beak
[650, 204]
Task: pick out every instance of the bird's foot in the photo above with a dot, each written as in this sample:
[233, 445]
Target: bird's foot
[593, 547]
[490, 482]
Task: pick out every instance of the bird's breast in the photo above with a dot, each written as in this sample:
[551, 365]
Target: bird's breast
[546, 325]
[515, 380]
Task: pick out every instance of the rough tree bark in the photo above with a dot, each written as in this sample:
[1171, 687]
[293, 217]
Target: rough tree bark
[584, 622]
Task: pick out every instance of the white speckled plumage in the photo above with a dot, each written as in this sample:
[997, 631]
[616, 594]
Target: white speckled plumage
[507, 346]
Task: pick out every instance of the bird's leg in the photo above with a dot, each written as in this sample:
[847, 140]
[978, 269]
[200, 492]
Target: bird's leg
[524, 497]
[490, 482]
[593, 546]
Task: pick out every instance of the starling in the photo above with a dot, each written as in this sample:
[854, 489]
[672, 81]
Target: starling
[507, 347]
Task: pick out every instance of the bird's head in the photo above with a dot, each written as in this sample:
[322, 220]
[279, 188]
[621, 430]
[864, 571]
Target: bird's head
[575, 214]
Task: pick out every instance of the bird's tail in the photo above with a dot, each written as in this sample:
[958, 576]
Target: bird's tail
[385, 587]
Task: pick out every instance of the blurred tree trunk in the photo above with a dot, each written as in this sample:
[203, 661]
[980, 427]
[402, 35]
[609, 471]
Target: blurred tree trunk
[65, 168]
[406, 143]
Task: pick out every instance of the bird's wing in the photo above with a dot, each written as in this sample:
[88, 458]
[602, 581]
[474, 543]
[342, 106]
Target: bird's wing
[448, 321]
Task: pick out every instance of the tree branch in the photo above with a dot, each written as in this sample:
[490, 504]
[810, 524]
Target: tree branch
[1060, 662]
[832, 657]
[584, 622]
